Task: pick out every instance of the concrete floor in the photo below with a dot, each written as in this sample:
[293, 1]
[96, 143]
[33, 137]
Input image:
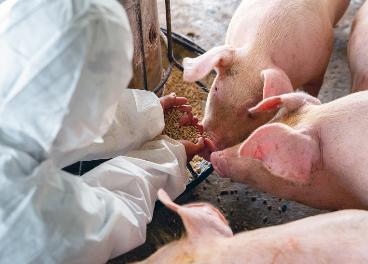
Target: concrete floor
[205, 22]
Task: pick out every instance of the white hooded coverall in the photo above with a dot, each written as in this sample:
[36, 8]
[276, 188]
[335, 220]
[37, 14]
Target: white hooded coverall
[64, 67]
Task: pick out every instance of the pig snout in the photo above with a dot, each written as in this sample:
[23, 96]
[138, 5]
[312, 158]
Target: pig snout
[228, 124]
[229, 164]
[217, 142]
[223, 162]
[223, 137]
[219, 163]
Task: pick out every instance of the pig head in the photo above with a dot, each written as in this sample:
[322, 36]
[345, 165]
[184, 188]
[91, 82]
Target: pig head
[236, 88]
[339, 237]
[310, 152]
[269, 44]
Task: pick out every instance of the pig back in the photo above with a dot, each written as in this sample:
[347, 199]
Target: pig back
[296, 35]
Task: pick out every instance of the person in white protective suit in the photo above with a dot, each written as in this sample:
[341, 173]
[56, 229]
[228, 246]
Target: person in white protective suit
[64, 66]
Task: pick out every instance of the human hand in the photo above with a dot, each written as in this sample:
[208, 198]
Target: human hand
[209, 147]
[203, 147]
[202, 151]
[170, 102]
[191, 148]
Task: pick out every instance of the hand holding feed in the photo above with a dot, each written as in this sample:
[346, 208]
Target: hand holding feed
[182, 125]
[171, 102]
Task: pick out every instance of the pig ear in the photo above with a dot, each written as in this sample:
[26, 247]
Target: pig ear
[165, 199]
[285, 152]
[197, 68]
[291, 101]
[204, 220]
[275, 82]
[199, 219]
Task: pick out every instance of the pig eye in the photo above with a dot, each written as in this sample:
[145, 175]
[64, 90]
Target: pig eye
[215, 88]
[251, 116]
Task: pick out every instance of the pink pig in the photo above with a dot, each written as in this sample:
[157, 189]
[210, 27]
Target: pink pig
[358, 50]
[268, 44]
[338, 237]
[312, 153]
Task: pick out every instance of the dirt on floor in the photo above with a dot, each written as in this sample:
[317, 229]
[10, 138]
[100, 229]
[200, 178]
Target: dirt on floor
[205, 22]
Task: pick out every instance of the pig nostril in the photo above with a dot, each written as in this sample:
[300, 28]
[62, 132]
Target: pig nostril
[215, 88]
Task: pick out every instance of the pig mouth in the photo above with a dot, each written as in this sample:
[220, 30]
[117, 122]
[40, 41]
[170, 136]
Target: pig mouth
[218, 145]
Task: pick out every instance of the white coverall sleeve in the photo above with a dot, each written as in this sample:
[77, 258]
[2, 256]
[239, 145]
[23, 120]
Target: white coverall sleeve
[54, 217]
[135, 180]
[138, 118]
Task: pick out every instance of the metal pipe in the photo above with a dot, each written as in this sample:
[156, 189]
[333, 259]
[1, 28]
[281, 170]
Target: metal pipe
[170, 54]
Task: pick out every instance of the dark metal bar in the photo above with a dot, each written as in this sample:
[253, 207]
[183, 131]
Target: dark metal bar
[194, 174]
[169, 34]
[141, 43]
[81, 168]
[177, 38]
[170, 54]
[164, 78]
[204, 88]
[185, 42]
[204, 174]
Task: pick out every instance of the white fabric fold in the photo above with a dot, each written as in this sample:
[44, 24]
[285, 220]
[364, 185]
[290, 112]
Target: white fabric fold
[141, 110]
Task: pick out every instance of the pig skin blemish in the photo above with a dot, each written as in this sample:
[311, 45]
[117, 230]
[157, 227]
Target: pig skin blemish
[258, 154]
